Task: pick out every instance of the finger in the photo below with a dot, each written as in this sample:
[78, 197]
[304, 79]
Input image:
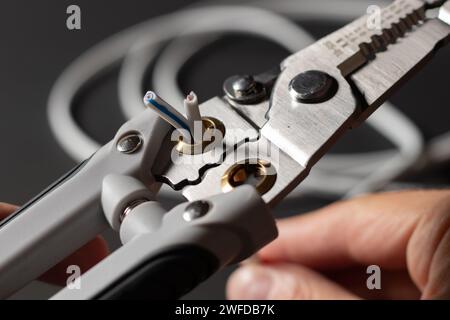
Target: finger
[428, 249]
[368, 230]
[392, 230]
[6, 209]
[282, 282]
[437, 282]
[393, 284]
[85, 257]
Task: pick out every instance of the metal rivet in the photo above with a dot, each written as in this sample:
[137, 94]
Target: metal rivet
[312, 86]
[244, 85]
[244, 89]
[130, 207]
[195, 210]
[129, 143]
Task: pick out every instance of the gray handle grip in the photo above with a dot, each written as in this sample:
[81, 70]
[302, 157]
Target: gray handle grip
[68, 214]
[232, 227]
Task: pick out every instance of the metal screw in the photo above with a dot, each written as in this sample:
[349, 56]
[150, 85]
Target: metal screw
[312, 86]
[244, 85]
[244, 89]
[133, 204]
[129, 143]
[195, 210]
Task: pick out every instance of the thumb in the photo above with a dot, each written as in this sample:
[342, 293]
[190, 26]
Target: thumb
[283, 282]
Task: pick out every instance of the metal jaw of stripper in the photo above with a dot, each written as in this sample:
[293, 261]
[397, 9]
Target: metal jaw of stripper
[301, 108]
[269, 129]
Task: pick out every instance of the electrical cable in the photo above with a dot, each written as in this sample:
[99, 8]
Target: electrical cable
[410, 144]
[139, 46]
[178, 52]
[210, 21]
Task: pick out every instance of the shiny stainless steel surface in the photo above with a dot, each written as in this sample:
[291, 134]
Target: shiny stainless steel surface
[289, 172]
[255, 113]
[368, 62]
[373, 60]
[179, 170]
[304, 130]
[380, 76]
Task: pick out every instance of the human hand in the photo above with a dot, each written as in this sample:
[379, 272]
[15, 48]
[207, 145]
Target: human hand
[324, 254]
[85, 257]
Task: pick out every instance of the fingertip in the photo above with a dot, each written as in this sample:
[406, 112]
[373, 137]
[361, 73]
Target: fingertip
[249, 282]
[100, 248]
[6, 209]
[85, 258]
[283, 281]
[279, 248]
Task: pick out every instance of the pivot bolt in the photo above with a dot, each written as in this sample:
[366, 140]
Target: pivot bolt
[313, 86]
[130, 207]
[244, 89]
[244, 85]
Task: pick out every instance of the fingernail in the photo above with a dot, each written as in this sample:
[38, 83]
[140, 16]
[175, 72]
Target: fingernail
[251, 283]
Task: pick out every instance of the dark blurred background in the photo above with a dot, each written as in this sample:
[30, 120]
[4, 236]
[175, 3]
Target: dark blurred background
[37, 46]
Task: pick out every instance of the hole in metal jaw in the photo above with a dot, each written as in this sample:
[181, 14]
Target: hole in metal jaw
[259, 173]
[205, 145]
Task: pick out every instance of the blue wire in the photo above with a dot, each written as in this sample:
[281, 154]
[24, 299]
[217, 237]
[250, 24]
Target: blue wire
[170, 114]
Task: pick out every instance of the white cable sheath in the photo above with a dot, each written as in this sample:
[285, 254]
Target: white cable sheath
[105, 55]
[392, 124]
[193, 28]
[217, 19]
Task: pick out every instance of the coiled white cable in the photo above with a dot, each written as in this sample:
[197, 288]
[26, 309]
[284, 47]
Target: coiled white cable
[345, 172]
[381, 167]
[145, 39]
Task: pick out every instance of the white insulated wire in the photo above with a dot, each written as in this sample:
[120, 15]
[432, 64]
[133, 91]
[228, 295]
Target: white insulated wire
[88, 66]
[197, 24]
[382, 166]
[210, 21]
[169, 114]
